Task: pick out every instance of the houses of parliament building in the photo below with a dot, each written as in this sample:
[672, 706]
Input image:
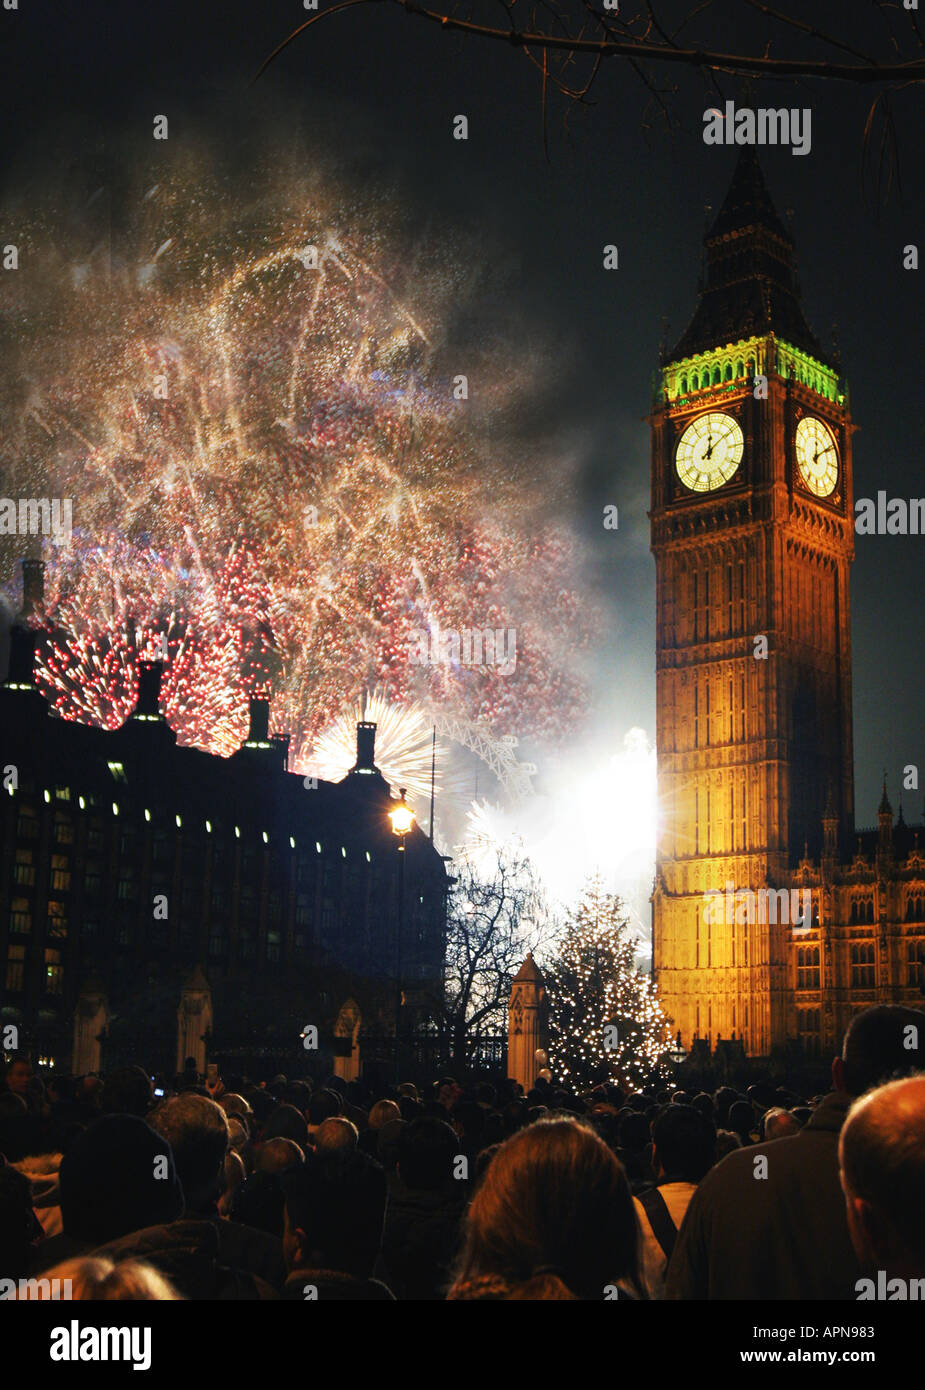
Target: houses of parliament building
[752, 529]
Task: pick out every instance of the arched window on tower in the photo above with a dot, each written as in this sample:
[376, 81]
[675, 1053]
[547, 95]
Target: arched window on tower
[739, 368]
[863, 967]
[732, 732]
[808, 967]
[727, 375]
[717, 375]
[729, 601]
[741, 627]
[684, 386]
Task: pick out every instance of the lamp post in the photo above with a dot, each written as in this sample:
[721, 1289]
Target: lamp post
[402, 818]
[677, 1053]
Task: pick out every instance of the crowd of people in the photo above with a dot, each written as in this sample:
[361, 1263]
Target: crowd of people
[225, 1189]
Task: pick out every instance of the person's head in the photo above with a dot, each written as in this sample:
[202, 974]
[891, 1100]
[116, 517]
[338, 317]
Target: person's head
[90, 1091]
[278, 1155]
[881, 1154]
[426, 1150]
[238, 1136]
[780, 1124]
[127, 1091]
[335, 1207]
[552, 1218]
[515, 1116]
[235, 1175]
[875, 1049]
[335, 1133]
[103, 1280]
[287, 1122]
[704, 1103]
[726, 1141]
[724, 1099]
[61, 1088]
[19, 1076]
[262, 1106]
[197, 1131]
[382, 1113]
[633, 1132]
[683, 1143]
[117, 1177]
[387, 1145]
[469, 1121]
[742, 1120]
[236, 1105]
[299, 1094]
[447, 1092]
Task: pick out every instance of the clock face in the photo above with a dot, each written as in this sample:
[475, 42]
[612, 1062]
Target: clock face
[709, 452]
[817, 456]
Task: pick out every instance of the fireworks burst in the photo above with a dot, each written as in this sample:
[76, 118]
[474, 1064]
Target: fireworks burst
[254, 410]
[404, 744]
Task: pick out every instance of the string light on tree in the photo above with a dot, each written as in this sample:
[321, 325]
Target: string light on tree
[605, 1018]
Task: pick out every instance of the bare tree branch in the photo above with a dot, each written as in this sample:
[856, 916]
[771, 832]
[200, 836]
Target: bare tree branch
[870, 71]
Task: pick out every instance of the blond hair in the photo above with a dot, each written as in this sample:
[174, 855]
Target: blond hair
[99, 1278]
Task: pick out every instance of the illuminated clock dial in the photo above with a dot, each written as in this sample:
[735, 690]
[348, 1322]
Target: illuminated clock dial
[817, 456]
[709, 452]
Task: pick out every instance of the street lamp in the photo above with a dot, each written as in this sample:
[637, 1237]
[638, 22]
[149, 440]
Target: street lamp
[402, 818]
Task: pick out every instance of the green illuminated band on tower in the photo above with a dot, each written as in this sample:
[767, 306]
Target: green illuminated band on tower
[734, 366]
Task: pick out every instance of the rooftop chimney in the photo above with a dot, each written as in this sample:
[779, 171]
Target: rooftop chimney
[366, 747]
[259, 729]
[21, 672]
[149, 690]
[33, 586]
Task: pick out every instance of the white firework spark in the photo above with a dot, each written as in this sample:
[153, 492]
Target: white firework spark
[404, 737]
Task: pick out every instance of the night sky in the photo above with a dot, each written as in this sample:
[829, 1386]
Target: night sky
[378, 90]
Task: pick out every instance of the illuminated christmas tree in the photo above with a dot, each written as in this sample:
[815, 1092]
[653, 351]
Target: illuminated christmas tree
[606, 1023]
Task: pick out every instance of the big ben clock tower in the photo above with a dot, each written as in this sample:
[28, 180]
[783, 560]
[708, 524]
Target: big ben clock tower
[752, 533]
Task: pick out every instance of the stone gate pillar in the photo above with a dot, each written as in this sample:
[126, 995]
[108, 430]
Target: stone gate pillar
[526, 1024]
[194, 1019]
[91, 1019]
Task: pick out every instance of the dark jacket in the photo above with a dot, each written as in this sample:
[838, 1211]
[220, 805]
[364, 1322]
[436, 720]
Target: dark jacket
[195, 1255]
[783, 1236]
[333, 1284]
[420, 1239]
